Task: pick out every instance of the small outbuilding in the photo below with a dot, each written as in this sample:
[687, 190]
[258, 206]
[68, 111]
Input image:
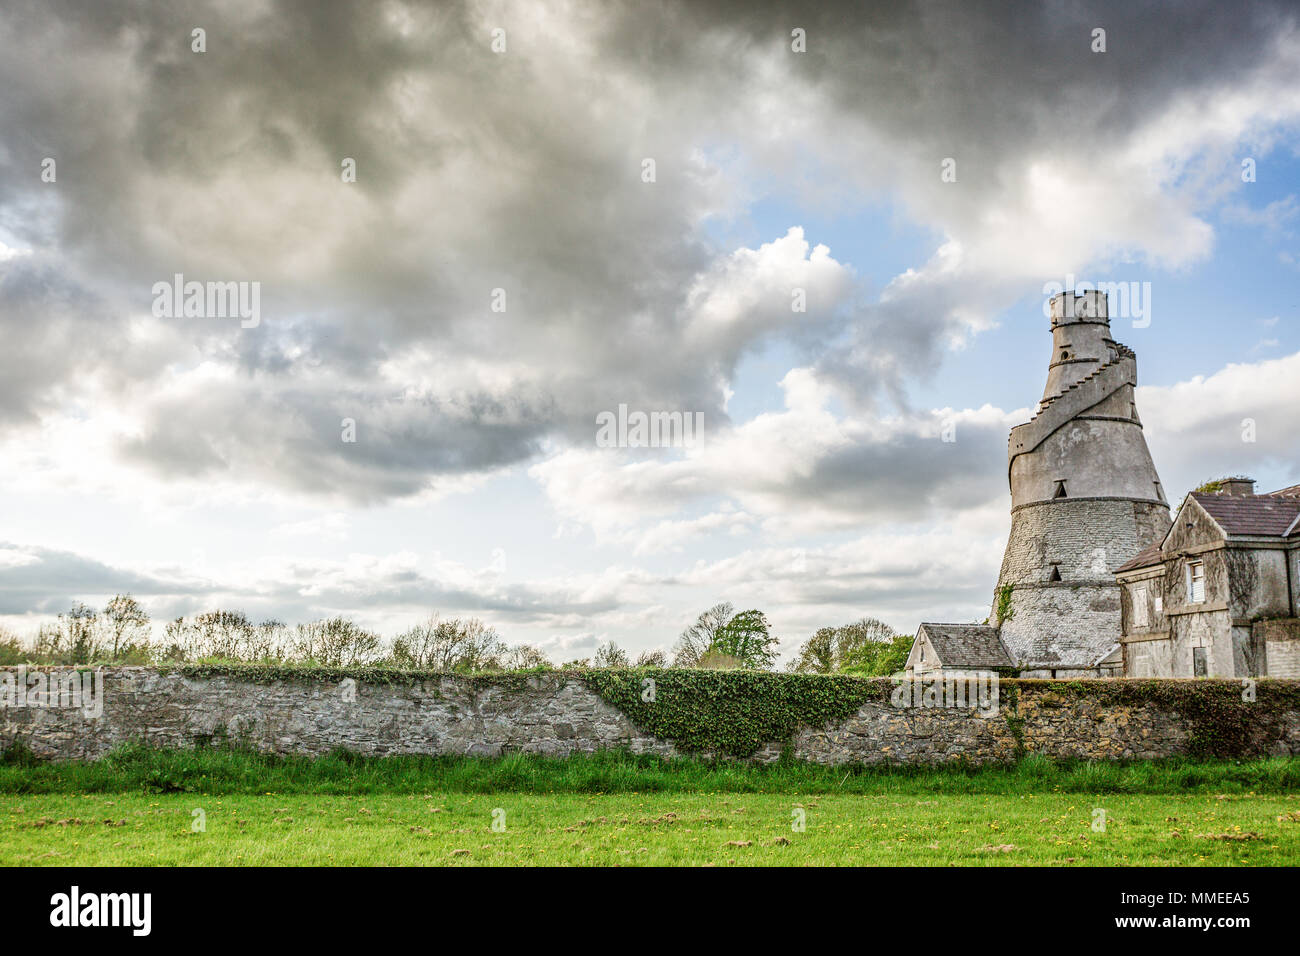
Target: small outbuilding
[957, 650]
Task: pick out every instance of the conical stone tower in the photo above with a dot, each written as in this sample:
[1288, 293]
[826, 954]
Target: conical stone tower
[1085, 497]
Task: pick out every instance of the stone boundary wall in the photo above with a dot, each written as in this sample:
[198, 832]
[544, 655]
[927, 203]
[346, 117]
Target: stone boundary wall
[559, 714]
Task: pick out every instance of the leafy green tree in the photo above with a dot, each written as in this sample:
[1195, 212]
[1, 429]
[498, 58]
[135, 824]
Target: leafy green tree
[747, 638]
[878, 658]
[818, 654]
[831, 649]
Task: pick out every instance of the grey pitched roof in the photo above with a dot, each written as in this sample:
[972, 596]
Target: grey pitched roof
[1251, 515]
[1114, 656]
[967, 645]
[1144, 558]
[1067, 641]
[1272, 514]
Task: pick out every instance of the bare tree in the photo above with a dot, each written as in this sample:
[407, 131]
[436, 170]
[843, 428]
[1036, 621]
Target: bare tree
[697, 639]
[336, 642]
[127, 624]
[654, 658]
[456, 644]
[74, 639]
[524, 657]
[610, 654]
[214, 634]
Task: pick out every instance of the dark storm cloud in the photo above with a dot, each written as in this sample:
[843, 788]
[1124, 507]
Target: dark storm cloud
[49, 581]
[519, 171]
[907, 478]
[36, 580]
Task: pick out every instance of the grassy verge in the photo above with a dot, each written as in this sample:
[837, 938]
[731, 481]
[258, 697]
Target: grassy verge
[136, 768]
[439, 828]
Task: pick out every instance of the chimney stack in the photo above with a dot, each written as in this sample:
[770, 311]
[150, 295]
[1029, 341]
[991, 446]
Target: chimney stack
[1238, 486]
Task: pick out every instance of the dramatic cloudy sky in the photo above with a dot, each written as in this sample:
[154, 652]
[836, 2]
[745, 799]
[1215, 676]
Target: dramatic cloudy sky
[199, 464]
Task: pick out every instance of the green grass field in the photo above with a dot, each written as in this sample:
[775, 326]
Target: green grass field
[143, 807]
[663, 829]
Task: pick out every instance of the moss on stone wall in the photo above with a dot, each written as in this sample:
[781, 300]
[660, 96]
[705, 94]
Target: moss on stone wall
[1226, 718]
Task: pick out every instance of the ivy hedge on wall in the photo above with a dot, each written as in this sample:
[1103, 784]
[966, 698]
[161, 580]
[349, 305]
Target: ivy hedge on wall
[733, 712]
[381, 676]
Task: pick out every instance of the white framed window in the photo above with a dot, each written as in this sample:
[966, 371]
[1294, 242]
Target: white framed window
[1158, 603]
[1140, 607]
[1195, 582]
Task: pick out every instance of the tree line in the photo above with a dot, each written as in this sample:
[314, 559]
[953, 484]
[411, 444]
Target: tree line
[720, 638]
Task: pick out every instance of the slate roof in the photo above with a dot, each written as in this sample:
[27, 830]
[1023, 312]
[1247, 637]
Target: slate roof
[1067, 641]
[1144, 558]
[1254, 516]
[1114, 656]
[1251, 515]
[967, 645]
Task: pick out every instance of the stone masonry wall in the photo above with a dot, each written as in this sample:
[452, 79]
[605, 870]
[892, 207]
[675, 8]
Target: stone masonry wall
[559, 714]
[1075, 621]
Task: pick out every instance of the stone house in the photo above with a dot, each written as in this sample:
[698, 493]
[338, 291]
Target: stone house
[955, 650]
[1216, 596]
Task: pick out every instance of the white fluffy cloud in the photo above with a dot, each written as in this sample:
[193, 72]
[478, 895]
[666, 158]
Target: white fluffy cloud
[521, 172]
[802, 470]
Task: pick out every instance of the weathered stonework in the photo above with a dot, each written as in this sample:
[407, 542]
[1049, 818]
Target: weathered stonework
[1085, 497]
[547, 714]
[1281, 642]
[559, 714]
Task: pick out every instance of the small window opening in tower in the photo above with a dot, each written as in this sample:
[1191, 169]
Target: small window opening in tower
[1064, 356]
[1060, 490]
[1056, 573]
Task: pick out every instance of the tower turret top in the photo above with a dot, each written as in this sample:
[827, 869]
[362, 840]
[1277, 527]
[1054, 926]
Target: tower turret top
[1086, 306]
